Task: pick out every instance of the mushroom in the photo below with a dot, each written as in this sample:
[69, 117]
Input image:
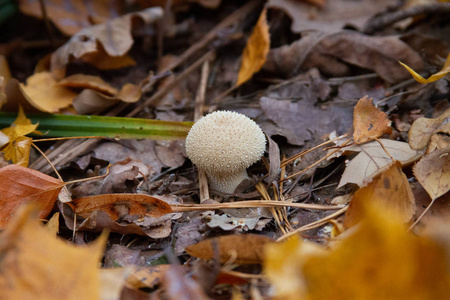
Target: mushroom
[224, 144]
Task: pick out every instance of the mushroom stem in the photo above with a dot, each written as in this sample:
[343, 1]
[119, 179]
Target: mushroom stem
[227, 183]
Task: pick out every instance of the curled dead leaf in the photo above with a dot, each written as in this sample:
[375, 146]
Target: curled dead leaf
[369, 122]
[423, 128]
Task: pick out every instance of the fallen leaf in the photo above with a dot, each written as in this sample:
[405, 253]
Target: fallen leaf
[15, 145]
[389, 190]
[330, 52]
[53, 224]
[256, 50]
[114, 37]
[71, 17]
[178, 285]
[120, 256]
[37, 265]
[88, 82]
[283, 263]
[369, 123]
[381, 260]
[433, 172]
[243, 249]
[20, 185]
[333, 16]
[120, 205]
[148, 277]
[92, 102]
[44, 93]
[435, 77]
[303, 120]
[372, 158]
[423, 128]
[112, 281]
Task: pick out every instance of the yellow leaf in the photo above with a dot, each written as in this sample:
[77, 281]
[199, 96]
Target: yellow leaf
[255, 52]
[37, 265]
[43, 92]
[445, 70]
[18, 146]
[379, 260]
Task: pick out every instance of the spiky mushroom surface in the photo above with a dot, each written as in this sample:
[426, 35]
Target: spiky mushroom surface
[224, 144]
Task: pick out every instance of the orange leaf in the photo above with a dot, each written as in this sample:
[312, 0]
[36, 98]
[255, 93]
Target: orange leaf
[20, 185]
[89, 82]
[369, 123]
[433, 172]
[256, 51]
[36, 264]
[244, 249]
[390, 190]
[119, 205]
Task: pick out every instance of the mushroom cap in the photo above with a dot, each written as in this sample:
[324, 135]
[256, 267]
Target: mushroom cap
[225, 142]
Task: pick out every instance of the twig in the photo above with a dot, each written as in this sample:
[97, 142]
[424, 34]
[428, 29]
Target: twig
[48, 26]
[421, 216]
[390, 18]
[313, 224]
[250, 204]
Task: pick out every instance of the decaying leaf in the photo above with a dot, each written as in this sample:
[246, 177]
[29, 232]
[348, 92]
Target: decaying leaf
[332, 17]
[256, 50]
[20, 185]
[120, 205]
[390, 190]
[372, 158]
[445, 70]
[380, 260]
[37, 265]
[113, 36]
[423, 128]
[433, 172]
[88, 82]
[72, 18]
[243, 249]
[148, 277]
[14, 144]
[369, 122]
[328, 52]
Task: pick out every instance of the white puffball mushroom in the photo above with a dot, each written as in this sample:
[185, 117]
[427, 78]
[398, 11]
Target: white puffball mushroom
[224, 144]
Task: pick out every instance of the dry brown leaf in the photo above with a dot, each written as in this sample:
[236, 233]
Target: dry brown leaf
[330, 52]
[20, 185]
[333, 16]
[255, 52]
[102, 61]
[113, 37]
[178, 285]
[243, 249]
[44, 93]
[433, 172]
[148, 277]
[53, 224]
[389, 190]
[120, 205]
[71, 16]
[369, 123]
[88, 82]
[423, 128]
[112, 282]
[37, 265]
[372, 158]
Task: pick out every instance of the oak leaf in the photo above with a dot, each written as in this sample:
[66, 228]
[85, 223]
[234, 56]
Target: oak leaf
[369, 123]
[256, 51]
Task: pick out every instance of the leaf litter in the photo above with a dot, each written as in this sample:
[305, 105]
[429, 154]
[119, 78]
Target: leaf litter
[342, 181]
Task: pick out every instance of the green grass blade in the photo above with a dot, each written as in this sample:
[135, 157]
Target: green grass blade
[53, 125]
